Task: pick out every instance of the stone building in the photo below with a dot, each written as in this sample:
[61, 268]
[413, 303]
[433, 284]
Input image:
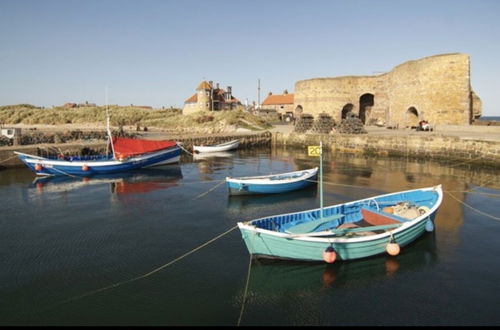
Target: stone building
[281, 103]
[208, 98]
[435, 88]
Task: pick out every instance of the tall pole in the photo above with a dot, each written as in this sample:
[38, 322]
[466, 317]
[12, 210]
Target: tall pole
[321, 177]
[258, 94]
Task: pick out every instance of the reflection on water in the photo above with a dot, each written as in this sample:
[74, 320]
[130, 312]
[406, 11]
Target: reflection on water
[132, 182]
[64, 237]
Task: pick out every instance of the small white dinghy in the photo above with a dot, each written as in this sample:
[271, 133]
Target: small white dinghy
[217, 147]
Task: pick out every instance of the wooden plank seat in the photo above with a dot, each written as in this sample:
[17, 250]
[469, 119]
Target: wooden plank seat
[312, 225]
[377, 217]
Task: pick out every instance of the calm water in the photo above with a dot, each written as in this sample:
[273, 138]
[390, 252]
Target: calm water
[116, 251]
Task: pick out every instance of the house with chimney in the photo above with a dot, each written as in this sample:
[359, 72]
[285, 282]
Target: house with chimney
[281, 103]
[211, 98]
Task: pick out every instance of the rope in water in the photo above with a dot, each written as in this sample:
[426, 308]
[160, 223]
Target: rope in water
[114, 285]
[472, 208]
[245, 292]
[1, 161]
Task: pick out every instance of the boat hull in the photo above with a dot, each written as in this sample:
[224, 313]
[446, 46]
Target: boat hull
[217, 148]
[80, 167]
[251, 185]
[264, 241]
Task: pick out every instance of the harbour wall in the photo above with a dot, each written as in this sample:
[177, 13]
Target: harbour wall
[435, 147]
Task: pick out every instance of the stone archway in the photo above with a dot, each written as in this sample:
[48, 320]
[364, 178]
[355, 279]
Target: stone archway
[365, 107]
[411, 117]
[298, 111]
[346, 109]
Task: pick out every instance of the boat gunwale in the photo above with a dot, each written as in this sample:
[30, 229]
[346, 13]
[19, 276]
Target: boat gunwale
[247, 225]
[265, 179]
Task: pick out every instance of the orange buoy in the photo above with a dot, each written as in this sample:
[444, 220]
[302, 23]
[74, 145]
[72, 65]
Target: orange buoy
[38, 167]
[329, 255]
[388, 209]
[393, 248]
[85, 168]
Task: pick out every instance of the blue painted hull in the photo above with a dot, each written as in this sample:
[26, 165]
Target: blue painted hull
[100, 164]
[281, 183]
[269, 237]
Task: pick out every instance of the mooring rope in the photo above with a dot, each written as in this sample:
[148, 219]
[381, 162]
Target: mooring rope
[1, 161]
[114, 285]
[65, 173]
[185, 150]
[246, 290]
[472, 208]
[209, 190]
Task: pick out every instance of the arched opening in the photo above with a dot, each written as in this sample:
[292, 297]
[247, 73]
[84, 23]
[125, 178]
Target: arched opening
[346, 109]
[412, 117]
[298, 111]
[365, 107]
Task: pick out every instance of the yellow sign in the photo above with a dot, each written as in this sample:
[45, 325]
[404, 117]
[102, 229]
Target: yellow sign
[314, 151]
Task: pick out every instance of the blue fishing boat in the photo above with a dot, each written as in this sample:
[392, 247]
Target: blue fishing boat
[127, 154]
[352, 230]
[271, 184]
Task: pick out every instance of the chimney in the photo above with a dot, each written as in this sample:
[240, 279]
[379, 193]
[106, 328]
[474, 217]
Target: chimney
[211, 83]
[217, 85]
[270, 93]
[285, 91]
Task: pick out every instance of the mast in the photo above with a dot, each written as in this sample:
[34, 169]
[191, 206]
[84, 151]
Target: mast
[321, 176]
[110, 136]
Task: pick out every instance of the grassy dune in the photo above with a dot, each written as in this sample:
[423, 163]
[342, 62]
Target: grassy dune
[129, 116]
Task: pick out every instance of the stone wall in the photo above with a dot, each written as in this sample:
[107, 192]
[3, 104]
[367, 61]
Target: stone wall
[435, 88]
[452, 149]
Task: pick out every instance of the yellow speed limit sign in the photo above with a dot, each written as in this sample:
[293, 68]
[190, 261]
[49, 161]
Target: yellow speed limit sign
[314, 151]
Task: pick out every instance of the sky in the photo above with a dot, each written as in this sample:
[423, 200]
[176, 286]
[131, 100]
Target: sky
[156, 52]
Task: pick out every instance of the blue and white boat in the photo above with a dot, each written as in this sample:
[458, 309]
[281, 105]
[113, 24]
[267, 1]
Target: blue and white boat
[352, 230]
[271, 184]
[127, 154]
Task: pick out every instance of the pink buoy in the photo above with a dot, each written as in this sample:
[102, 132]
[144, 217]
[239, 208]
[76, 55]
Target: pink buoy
[38, 167]
[85, 168]
[329, 255]
[393, 249]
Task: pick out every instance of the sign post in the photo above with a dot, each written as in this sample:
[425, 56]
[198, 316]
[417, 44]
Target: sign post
[316, 151]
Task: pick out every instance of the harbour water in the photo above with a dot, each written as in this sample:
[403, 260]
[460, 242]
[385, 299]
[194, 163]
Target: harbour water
[161, 247]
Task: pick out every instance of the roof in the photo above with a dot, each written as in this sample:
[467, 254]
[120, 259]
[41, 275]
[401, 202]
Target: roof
[218, 97]
[204, 85]
[192, 99]
[278, 99]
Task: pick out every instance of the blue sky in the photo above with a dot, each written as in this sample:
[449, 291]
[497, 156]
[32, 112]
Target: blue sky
[155, 52]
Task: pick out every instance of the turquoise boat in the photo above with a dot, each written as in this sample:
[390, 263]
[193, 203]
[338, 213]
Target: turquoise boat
[352, 230]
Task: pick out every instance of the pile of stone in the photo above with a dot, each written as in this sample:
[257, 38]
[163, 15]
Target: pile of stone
[303, 123]
[323, 124]
[351, 124]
